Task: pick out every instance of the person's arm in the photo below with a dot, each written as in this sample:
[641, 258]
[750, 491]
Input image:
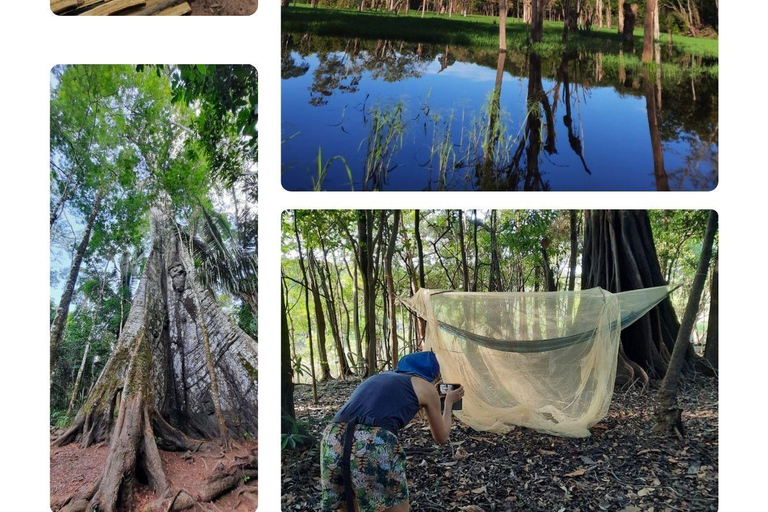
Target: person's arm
[439, 425]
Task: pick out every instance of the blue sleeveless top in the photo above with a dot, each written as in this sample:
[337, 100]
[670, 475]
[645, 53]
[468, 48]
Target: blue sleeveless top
[385, 400]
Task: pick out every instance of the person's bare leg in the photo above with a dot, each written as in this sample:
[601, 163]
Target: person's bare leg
[403, 506]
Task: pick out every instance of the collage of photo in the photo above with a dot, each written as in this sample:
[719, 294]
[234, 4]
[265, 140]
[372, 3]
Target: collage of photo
[451, 343]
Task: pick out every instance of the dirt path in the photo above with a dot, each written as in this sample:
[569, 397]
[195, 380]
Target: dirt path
[223, 7]
[622, 467]
[73, 468]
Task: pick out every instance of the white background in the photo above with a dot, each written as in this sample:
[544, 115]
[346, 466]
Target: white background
[34, 40]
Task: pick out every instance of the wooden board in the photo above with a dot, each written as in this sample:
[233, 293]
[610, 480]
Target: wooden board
[59, 6]
[113, 7]
[178, 10]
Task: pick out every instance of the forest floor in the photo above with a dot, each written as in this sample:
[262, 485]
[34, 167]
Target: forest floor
[73, 467]
[223, 7]
[622, 467]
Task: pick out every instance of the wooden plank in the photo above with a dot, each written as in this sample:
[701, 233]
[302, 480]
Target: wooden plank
[155, 6]
[178, 10]
[114, 7]
[59, 6]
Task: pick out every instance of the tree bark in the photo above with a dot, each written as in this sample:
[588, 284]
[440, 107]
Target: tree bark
[326, 283]
[621, 17]
[306, 308]
[365, 237]
[391, 285]
[503, 25]
[322, 351]
[154, 391]
[668, 413]
[648, 29]
[464, 265]
[60, 319]
[619, 255]
[419, 248]
[711, 348]
[574, 251]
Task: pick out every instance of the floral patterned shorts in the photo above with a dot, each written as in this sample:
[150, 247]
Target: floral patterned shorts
[377, 467]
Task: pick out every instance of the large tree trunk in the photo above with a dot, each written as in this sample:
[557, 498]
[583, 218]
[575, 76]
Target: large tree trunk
[668, 413]
[619, 255]
[155, 391]
[60, 319]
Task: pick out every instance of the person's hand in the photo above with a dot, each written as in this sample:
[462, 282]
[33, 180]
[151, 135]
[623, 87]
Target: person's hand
[454, 395]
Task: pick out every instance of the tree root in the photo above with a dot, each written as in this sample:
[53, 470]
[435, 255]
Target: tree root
[224, 479]
[669, 422]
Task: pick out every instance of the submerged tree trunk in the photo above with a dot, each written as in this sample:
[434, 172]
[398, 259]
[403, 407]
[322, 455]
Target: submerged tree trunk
[154, 391]
[668, 413]
[60, 319]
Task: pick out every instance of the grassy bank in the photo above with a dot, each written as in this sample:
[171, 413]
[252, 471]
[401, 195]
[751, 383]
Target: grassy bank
[476, 31]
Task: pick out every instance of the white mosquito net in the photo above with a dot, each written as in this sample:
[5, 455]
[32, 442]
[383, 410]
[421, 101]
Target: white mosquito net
[541, 360]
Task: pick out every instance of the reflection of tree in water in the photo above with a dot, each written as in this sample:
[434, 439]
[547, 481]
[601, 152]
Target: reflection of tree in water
[343, 70]
[500, 170]
[289, 67]
[494, 151]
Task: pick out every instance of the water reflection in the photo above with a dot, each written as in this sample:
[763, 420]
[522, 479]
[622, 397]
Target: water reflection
[420, 117]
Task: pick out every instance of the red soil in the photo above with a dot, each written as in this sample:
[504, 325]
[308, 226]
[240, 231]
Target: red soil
[73, 468]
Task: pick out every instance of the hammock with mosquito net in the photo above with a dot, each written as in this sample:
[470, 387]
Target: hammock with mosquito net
[541, 360]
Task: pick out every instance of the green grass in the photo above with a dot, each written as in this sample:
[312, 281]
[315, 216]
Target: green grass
[475, 31]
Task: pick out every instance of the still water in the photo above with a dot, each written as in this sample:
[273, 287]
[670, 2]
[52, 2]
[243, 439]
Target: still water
[382, 115]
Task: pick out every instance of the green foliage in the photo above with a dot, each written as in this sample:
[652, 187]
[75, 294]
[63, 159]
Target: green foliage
[296, 437]
[60, 419]
[475, 31]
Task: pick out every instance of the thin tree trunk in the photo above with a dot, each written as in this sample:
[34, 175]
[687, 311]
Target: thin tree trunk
[668, 414]
[419, 248]
[306, 308]
[621, 17]
[60, 319]
[474, 243]
[322, 351]
[394, 226]
[711, 348]
[574, 251]
[365, 237]
[648, 25]
[503, 25]
[464, 265]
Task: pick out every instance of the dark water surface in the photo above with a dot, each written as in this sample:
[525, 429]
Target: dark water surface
[400, 116]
